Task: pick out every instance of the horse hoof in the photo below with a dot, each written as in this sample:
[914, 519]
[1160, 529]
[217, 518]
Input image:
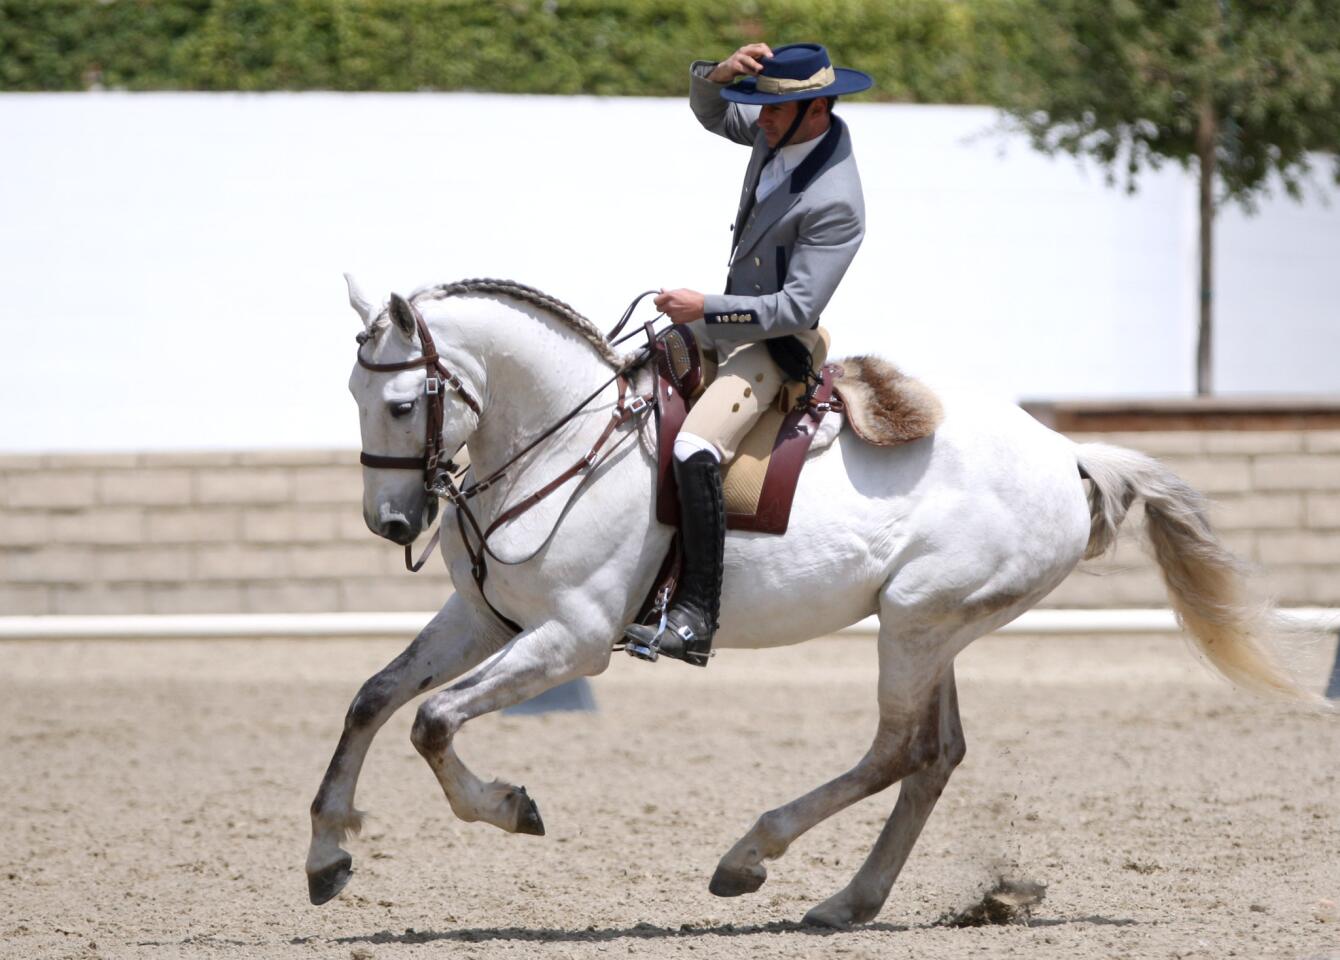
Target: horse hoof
[734, 883]
[841, 911]
[825, 916]
[528, 815]
[326, 883]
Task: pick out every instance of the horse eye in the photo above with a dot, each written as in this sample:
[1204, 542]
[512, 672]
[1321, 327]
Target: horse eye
[402, 409]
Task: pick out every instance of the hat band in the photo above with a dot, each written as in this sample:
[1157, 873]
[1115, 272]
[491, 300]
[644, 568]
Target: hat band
[823, 78]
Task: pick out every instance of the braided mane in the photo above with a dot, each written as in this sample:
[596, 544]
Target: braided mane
[573, 320]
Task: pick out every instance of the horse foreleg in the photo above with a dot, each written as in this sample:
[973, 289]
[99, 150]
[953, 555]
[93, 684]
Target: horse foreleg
[533, 662]
[451, 643]
[862, 899]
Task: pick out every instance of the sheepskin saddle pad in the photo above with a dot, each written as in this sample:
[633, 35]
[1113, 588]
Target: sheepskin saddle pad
[882, 406]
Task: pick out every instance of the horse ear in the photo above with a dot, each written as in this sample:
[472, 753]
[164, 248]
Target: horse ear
[405, 316]
[358, 301]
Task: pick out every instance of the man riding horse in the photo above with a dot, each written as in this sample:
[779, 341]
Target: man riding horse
[944, 541]
[800, 222]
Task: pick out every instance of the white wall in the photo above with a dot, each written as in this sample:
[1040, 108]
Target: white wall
[170, 263]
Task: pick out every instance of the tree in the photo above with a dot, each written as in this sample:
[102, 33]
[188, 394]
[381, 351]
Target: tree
[1242, 89]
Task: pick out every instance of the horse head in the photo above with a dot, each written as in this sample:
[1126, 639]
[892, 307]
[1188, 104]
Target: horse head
[407, 417]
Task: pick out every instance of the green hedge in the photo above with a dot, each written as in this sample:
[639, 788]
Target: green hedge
[918, 50]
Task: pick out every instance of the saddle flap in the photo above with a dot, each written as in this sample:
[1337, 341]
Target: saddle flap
[760, 483]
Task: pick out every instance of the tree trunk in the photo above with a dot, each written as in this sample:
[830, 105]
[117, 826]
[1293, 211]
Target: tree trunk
[1206, 133]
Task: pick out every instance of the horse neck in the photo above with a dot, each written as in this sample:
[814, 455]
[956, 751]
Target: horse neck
[535, 370]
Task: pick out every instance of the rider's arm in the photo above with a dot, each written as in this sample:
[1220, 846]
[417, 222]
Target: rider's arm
[734, 121]
[829, 239]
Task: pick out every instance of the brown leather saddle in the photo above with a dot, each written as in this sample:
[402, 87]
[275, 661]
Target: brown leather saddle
[760, 484]
[777, 445]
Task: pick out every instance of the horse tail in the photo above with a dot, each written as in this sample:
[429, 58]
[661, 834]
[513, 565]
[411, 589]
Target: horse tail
[1206, 582]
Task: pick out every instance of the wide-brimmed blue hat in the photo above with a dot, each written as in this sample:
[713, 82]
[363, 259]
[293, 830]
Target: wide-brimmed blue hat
[797, 71]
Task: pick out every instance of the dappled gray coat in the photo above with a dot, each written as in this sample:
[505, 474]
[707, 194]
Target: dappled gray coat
[794, 247]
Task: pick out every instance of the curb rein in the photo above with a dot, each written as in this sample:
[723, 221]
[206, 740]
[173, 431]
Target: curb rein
[438, 471]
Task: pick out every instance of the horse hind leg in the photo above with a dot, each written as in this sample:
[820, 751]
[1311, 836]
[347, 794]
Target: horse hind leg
[902, 746]
[862, 899]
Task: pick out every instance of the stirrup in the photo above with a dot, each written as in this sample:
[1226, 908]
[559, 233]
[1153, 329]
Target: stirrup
[651, 650]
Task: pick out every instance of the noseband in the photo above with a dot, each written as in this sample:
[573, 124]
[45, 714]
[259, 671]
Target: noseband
[432, 463]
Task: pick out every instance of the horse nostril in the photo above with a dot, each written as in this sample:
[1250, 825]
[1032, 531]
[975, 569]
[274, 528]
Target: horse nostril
[397, 531]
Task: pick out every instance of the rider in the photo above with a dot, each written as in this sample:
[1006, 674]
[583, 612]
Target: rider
[800, 222]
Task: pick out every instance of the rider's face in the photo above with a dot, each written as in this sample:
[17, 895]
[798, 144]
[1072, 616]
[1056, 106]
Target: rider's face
[776, 118]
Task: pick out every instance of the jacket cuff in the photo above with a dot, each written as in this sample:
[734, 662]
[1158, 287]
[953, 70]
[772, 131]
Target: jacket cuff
[699, 70]
[717, 313]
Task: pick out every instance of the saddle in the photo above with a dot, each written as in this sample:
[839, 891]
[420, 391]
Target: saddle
[869, 394]
[880, 405]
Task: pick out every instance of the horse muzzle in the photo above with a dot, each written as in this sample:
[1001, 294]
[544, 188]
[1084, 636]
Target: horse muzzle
[394, 525]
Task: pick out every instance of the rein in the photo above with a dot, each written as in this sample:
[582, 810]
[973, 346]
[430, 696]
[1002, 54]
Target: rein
[438, 470]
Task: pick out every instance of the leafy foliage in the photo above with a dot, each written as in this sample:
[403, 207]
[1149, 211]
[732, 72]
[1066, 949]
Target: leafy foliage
[1126, 82]
[919, 50]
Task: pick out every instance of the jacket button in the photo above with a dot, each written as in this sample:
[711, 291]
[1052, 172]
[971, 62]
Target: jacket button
[758, 261]
[758, 286]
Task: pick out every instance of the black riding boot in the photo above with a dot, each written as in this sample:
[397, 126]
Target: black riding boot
[692, 619]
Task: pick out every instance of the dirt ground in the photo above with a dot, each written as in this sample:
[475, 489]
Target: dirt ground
[157, 807]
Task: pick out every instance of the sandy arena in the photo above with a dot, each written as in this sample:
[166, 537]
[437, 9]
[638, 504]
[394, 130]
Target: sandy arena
[157, 807]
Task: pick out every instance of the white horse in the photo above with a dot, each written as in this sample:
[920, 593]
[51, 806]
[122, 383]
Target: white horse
[944, 539]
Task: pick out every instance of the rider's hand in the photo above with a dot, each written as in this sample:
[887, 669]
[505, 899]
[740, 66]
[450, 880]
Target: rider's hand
[681, 306]
[742, 63]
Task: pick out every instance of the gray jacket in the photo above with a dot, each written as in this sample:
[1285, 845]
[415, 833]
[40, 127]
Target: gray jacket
[792, 251]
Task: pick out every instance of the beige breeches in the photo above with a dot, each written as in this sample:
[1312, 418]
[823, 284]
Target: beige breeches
[747, 381]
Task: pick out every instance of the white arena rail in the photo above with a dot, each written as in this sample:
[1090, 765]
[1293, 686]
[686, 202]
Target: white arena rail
[1035, 622]
[205, 625]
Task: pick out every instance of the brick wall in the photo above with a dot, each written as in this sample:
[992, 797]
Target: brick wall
[197, 533]
[282, 531]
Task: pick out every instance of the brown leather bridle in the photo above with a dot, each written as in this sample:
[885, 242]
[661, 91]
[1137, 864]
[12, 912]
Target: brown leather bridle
[438, 470]
[439, 377]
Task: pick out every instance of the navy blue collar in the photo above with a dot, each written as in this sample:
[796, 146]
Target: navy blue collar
[809, 167]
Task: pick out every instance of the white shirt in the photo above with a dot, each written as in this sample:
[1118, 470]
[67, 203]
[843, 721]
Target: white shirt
[780, 166]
